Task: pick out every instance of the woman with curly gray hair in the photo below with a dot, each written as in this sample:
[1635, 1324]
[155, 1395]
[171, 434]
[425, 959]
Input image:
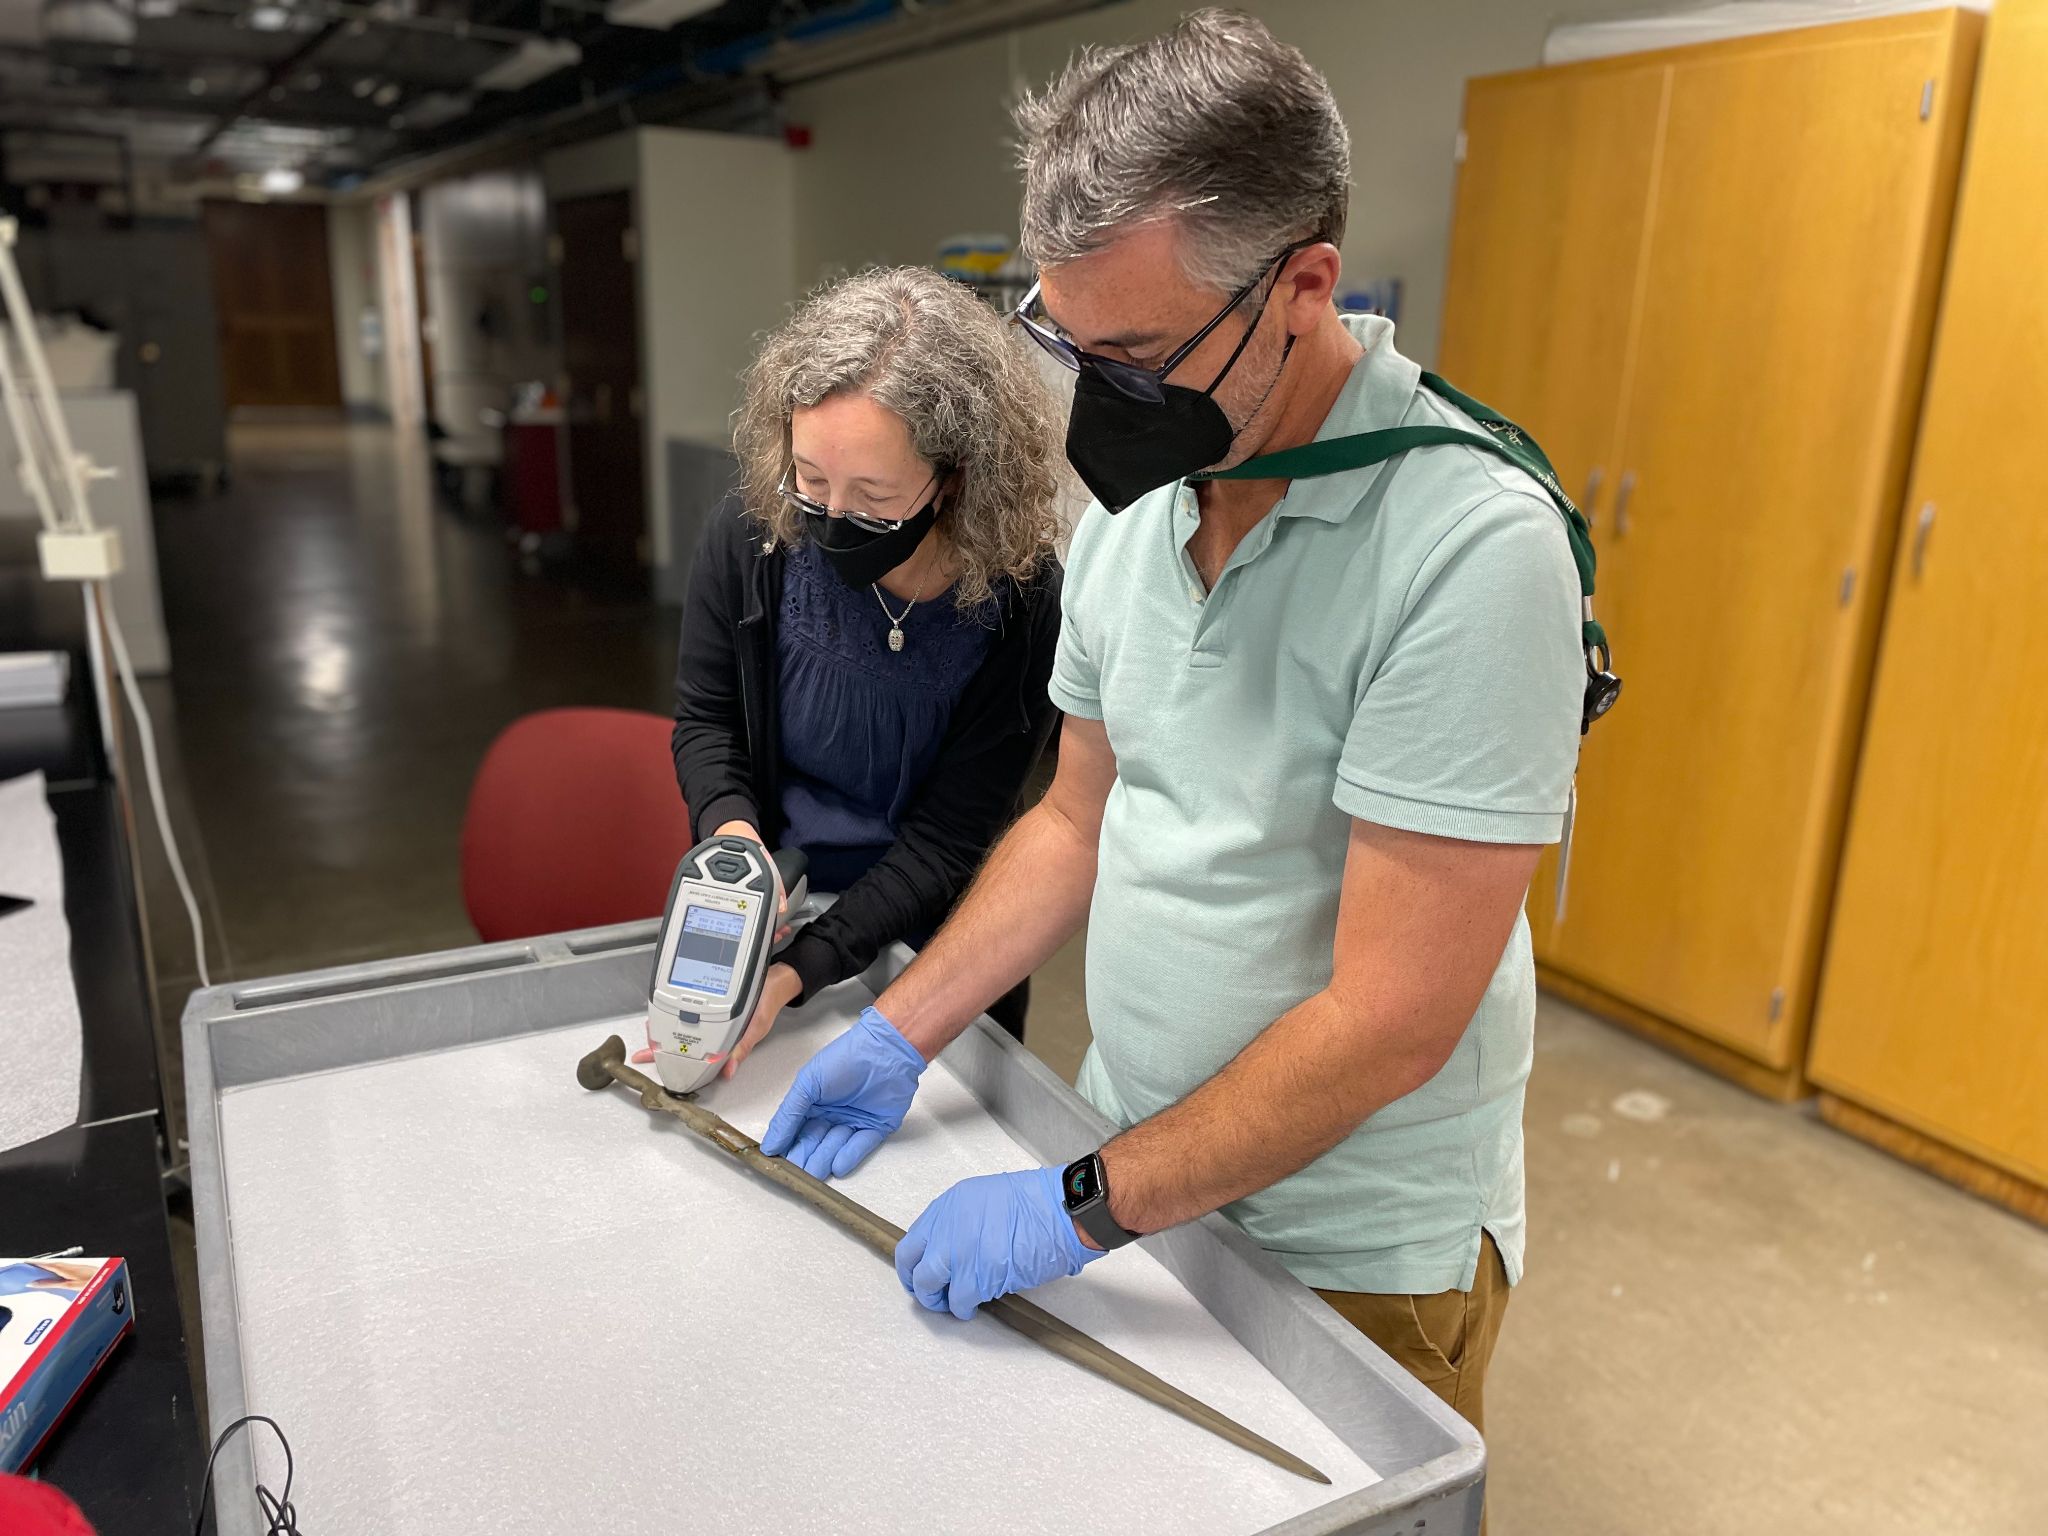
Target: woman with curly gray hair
[868, 634]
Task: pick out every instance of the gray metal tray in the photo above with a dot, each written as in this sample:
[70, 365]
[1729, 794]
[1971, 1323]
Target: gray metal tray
[1431, 1462]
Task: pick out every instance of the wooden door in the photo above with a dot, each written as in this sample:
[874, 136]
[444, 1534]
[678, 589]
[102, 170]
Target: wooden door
[1546, 245]
[1934, 1007]
[1803, 194]
[172, 343]
[601, 357]
[276, 304]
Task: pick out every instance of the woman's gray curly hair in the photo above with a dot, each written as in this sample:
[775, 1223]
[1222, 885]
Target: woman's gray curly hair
[923, 346]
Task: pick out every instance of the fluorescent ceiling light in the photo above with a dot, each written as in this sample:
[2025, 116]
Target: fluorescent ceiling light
[281, 181]
[534, 59]
[270, 18]
[658, 15]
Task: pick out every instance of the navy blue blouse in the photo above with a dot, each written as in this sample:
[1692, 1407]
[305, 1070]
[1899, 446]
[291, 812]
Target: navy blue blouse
[861, 725]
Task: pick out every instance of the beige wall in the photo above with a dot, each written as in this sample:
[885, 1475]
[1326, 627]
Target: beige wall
[404, 388]
[352, 259]
[715, 222]
[716, 230]
[909, 153]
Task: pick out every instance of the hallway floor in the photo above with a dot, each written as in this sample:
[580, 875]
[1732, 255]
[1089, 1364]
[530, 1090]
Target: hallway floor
[1735, 1320]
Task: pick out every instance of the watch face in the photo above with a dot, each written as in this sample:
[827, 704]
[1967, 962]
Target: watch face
[1083, 1182]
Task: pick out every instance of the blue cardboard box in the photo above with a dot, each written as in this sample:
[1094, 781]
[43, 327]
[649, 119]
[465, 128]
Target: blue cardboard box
[59, 1320]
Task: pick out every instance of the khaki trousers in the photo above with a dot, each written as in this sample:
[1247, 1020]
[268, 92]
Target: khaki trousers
[1445, 1340]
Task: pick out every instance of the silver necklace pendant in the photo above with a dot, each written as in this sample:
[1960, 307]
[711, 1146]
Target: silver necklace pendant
[895, 619]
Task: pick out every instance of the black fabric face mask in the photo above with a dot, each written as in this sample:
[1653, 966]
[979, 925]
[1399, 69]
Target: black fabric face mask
[860, 557]
[1122, 448]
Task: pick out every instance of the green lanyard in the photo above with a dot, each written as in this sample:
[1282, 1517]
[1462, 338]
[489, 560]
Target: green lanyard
[1335, 455]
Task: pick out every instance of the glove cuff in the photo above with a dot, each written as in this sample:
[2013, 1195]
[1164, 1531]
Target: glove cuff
[881, 1030]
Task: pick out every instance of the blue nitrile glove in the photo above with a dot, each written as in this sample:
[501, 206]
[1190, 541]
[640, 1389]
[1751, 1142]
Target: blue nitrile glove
[988, 1236]
[846, 1099]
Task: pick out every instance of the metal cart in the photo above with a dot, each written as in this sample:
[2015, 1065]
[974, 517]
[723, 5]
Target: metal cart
[1430, 1463]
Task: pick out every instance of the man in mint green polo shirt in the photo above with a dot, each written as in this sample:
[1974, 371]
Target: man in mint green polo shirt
[1317, 733]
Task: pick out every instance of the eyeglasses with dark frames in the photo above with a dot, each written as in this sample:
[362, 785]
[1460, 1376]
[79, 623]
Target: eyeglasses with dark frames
[860, 520]
[1128, 379]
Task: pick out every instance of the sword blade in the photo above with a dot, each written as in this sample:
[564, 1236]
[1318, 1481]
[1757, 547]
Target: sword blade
[607, 1065]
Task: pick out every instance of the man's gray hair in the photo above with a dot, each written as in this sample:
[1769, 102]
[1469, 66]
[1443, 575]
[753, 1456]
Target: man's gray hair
[1217, 125]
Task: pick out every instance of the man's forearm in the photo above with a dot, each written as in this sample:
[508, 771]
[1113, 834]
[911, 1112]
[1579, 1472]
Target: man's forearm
[1308, 1081]
[1027, 901]
[1421, 927]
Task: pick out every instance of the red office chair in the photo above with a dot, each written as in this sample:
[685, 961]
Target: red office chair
[574, 821]
[37, 1509]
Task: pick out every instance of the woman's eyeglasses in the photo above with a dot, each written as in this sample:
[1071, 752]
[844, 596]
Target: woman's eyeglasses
[1128, 379]
[860, 520]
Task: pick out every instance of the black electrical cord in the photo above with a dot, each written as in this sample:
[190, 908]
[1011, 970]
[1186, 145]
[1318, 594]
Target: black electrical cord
[284, 1520]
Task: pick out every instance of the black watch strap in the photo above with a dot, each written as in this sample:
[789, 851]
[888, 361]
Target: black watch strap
[1085, 1190]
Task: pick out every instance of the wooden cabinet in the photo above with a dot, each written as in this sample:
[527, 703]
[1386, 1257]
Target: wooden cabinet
[1934, 1005]
[1552, 199]
[1730, 353]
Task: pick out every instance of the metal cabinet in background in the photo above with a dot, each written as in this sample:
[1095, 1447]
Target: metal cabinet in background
[152, 285]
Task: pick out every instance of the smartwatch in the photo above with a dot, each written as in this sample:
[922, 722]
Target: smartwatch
[1085, 1192]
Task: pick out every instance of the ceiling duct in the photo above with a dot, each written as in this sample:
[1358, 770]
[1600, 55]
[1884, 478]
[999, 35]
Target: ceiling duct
[105, 22]
[436, 108]
[655, 15]
[534, 59]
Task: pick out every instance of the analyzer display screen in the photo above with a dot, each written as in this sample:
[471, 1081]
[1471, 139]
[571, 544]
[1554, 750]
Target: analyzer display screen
[707, 949]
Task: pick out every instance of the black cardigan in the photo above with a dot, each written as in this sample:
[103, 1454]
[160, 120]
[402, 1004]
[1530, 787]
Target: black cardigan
[729, 762]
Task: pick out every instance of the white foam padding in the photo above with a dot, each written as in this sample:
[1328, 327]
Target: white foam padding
[480, 1298]
[40, 1032]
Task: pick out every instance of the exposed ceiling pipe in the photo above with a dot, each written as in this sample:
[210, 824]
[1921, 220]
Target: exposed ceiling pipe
[363, 17]
[273, 79]
[770, 60]
[340, 18]
[563, 126]
[937, 29]
[594, 9]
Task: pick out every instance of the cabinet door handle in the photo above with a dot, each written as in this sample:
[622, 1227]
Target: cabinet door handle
[1622, 494]
[1591, 499]
[1921, 530]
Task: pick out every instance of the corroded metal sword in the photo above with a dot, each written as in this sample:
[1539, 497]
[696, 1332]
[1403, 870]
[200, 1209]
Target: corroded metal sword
[607, 1065]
